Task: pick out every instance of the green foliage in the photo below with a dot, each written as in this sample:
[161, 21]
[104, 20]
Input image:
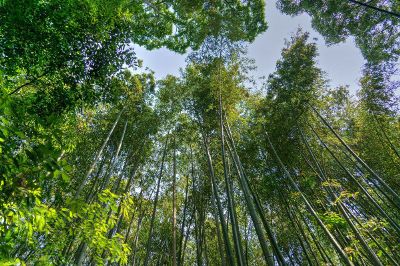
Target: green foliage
[95, 226]
[375, 33]
[296, 84]
[74, 115]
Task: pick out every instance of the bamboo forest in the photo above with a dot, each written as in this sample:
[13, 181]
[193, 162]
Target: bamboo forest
[103, 162]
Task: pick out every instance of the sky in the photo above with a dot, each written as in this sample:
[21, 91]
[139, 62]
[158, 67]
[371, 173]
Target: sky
[341, 62]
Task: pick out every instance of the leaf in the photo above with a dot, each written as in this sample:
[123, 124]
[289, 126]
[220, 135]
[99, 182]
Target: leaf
[65, 177]
[31, 155]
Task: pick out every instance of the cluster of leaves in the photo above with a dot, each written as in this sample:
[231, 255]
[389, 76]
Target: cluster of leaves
[375, 33]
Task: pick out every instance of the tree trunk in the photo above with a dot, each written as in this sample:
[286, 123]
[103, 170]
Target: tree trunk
[251, 207]
[395, 195]
[184, 211]
[174, 208]
[231, 204]
[100, 152]
[250, 201]
[107, 180]
[365, 192]
[338, 248]
[219, 207]
[153, 215]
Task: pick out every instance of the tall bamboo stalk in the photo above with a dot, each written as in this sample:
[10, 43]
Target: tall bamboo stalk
[185, 205]
[174, 208]
[334, 242]
[228, 248]
[256, 200]
[372, 172]
[107, 179]
[97, 157]
[365, 192]
[391, 145]
[251, 205]
[153, 215]
[231, 204]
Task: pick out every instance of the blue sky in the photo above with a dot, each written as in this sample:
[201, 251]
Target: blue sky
[342, 62]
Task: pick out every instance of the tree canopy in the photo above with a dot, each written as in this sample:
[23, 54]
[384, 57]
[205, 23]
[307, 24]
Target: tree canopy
[376, 33]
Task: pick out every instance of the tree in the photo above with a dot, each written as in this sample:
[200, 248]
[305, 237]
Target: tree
[375, 33]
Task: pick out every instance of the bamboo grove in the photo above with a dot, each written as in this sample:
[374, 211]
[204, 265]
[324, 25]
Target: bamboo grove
[102, 164]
